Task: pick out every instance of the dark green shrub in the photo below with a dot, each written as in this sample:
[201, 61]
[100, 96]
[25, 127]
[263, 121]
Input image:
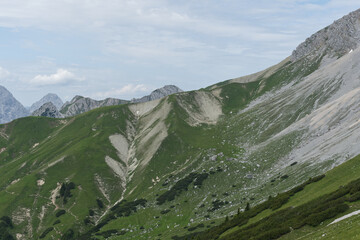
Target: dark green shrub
[60, 212]
[100, 203]
[68, 235]
[46, 232]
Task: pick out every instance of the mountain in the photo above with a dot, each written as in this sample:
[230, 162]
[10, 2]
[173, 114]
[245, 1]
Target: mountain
[269, 155]
[81, 104]
[10, 108]
[48, 110]
[51, 97]
[158, 93]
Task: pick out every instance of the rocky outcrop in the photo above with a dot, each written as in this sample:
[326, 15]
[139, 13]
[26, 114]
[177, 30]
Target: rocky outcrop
[51, 97]
[158, 93]
[81, 104]
[10, 108]
[335, 40]
[47, 110]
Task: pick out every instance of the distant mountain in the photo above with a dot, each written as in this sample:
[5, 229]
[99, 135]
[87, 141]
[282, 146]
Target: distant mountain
[81, 104]
[51, 97]
[10, 108]
[158, 93]
[47, 110]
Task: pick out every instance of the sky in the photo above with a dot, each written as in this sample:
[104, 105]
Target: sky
[127, 48]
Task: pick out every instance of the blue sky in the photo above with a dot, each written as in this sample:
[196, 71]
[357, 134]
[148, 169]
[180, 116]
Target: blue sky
[127, 48]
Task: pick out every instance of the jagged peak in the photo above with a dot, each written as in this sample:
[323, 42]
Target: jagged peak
[334, 40]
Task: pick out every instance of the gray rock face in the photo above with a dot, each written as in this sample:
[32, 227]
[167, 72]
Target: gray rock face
[51, 97]
[335, 40]
[81, 104]
[10, 108]
[158, 93]
[47, 110]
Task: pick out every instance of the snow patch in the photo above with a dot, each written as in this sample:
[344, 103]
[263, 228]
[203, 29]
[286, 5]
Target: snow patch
[345, 217]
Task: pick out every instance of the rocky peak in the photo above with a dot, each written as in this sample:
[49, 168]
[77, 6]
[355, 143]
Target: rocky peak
[159, 93]
[47, 110]
[81, 104]
[10, 108]
[51, 97]
[335, 40]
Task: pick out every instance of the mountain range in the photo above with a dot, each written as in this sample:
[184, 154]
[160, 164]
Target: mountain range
[12, 109]
[271, 155]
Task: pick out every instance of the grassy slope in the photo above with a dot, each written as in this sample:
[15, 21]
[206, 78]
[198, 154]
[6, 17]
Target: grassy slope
[185, 149]
[83, 142]
[334, 179]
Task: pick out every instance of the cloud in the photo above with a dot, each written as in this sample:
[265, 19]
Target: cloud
[4, 73]
[127, 90]
[62, 76]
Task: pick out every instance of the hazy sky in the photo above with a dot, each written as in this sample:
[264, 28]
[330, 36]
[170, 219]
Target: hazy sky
[126, 48]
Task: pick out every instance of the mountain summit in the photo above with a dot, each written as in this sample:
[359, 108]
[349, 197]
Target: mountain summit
[158, 93]
[50, 97]
[335, 40]
[47, 110]
[10, 108]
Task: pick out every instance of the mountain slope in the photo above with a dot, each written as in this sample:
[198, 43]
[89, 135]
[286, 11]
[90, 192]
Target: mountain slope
[181, 164]
[10, 108]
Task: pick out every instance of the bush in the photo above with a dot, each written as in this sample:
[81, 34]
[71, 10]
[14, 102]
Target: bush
[65, 191]
[7, 221]
[182, 185]
[57, 222]
[46, 232]
[60, 212]
[165, 211]
[100, 203]
[91, 212]
[68, 235]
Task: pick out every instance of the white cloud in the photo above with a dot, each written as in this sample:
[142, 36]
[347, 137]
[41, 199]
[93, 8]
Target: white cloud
[4, 73]
[127, 90]
[62, 76]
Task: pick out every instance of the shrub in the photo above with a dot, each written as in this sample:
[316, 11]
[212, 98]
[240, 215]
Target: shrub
[46, 232]
[60, 212]
[100, 203]
[91, 212]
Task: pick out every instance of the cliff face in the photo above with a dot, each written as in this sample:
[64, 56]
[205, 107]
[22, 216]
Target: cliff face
[335, 40]
[10, 108]
[47, 110]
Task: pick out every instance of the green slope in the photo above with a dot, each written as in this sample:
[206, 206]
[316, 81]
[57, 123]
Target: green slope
[202, 152]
